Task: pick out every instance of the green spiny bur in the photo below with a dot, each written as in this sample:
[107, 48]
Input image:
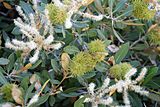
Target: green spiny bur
[141, 10]
[82, 63]
[56, 14]
[118, 71]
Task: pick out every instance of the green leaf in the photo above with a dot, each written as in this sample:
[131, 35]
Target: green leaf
[79, 102]
[89, 75]
[120, 55]
[152, 72]
[42, 99]
[135, 100]
[54, 81]
[71, 94]
[26, 8]
[35, 65]
[153, 96]
[2, 78]
[11, 63]
[54, 65]
[120, 5]
[110, 3]
[71, 49]
[16, 31]
[24, 83]
[28, 93]
[4, 61]
[100, 34]
[98, 5]
[5, 36]
[127, 12]
[52, 101]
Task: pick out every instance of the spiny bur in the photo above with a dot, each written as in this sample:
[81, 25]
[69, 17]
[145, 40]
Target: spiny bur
[154, 36]
[6, 91]
[56, 14]
[82, 63]
[141, 10]
[97, 49]
[118, 71]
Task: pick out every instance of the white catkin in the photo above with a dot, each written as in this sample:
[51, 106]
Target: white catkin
[35, 57]
[27, 28]
[104, 87]
[19, 9]
[93, 17]
[91, 88]
[125, 97]
[107, 101]
[32, 20]
[49, 40]
[87, 100]
[140, 90]
[18, 43]
[32, 45]
[57, 46]
[26, 34]
[141, 75]
[58, 3]
[130, 73]
[106, 82]
[33, 100]
[120, 85]
[34, 36]
[11, 46]
[68, 23]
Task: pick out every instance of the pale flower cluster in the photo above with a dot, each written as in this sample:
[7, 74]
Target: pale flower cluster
[37, 34]
[103, 94]
[74, 8]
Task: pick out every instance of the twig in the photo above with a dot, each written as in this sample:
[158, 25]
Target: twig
[140, 39]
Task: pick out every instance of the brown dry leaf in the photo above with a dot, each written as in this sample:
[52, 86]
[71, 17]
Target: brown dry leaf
[17, 95]
[37, 85]
[33, 78]
[111, 60]
[6, 5]
[65, 59]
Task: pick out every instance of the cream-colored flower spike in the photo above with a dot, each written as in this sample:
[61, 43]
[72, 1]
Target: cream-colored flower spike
[103, 94]
[98, 97]
[73, 8]
[37, 31]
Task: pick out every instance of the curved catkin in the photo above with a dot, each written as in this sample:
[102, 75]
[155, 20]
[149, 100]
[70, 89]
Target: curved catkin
[141, 10]
[97, 49]
[56, 14]
[118, 71]
[82, 63]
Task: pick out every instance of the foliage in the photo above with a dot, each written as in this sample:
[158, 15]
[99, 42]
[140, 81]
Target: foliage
[98, 39]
